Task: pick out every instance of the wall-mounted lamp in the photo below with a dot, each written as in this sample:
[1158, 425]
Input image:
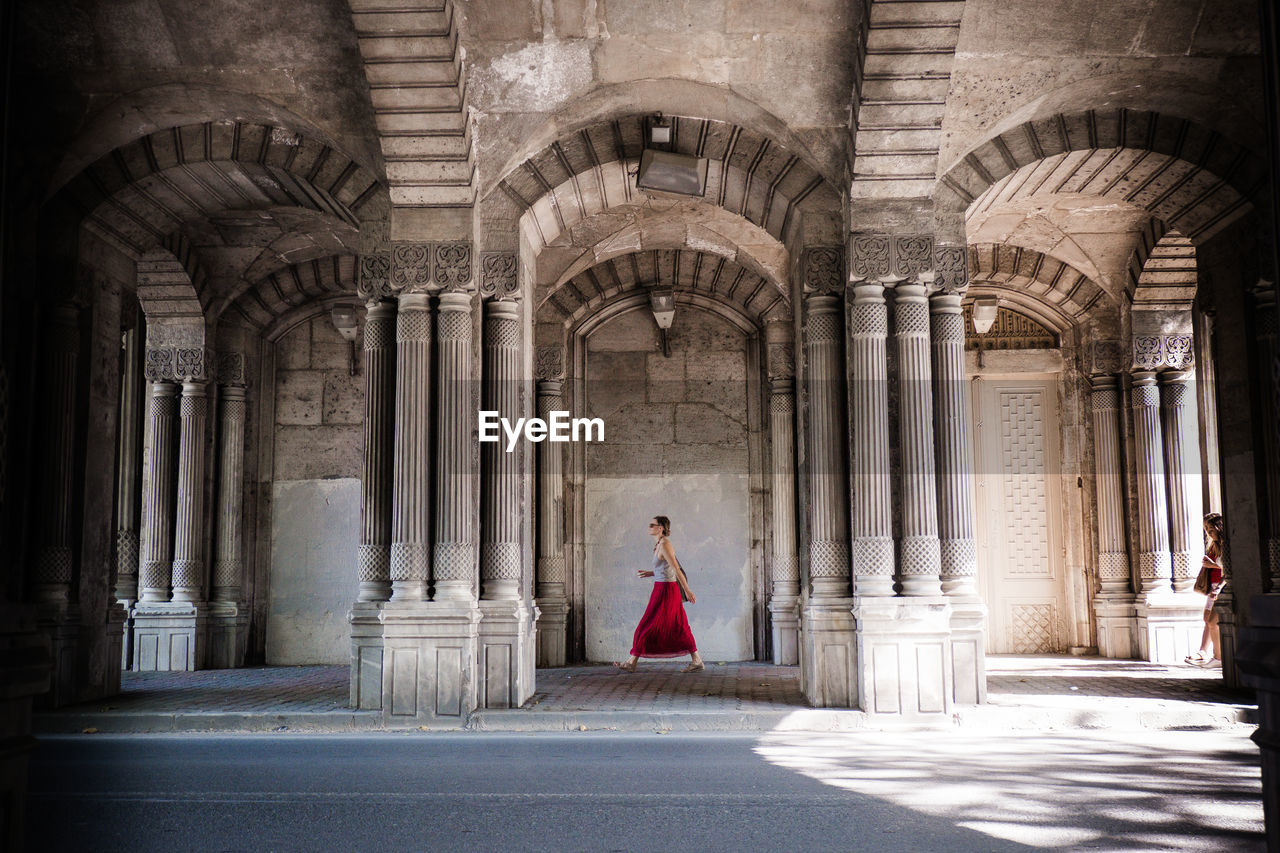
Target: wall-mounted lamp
[659, 130]
[662, 303]
[985, 309]
[344, 320]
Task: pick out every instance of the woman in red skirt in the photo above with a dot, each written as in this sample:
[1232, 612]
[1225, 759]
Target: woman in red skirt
[663, 631]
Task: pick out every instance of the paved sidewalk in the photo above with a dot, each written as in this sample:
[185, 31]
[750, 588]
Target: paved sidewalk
[1045, 693]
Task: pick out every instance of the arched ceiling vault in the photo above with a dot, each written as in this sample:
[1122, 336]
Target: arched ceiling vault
[685, 270]
[1060, 294]
[276, 295]
[587, 172]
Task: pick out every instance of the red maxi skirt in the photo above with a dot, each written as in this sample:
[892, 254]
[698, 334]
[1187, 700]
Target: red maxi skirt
[663, 631]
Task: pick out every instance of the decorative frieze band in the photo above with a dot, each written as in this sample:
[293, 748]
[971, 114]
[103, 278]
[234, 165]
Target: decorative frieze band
[884, 257]
[498, 275]
[421, 267]
[824, 270]
[1156, 352]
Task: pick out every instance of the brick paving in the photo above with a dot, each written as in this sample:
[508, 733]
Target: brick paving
[660, 687]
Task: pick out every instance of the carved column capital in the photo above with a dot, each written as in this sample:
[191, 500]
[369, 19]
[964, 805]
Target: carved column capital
[499, 277]
[823, 270]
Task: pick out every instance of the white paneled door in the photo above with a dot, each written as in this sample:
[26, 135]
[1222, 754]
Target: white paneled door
[1019, 505]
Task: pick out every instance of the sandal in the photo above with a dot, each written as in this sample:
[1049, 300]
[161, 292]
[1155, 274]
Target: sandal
[694, 667]
[1197, 659]
[626, 667]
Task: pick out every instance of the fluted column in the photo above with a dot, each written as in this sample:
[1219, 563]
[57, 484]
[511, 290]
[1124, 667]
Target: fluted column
[57, 468]
[188, 529]
[128, 466]
[920, 550]
[828, 483]
[955, 448]
[782, 410]
[454, 557]
[155, 559]
[551, 568]
[500, 533]
[374, 554]
[411, 480]
[228, 565]
[1113, 555]
[1182, 473]
[1153, 509]
[873, 487]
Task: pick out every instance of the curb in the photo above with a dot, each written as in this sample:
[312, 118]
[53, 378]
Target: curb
[1176, 716]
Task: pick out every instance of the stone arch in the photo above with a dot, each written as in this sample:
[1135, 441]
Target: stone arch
[169, 283]
[1169, 277]
[587, 172]
[286, 291]
[1053, 292]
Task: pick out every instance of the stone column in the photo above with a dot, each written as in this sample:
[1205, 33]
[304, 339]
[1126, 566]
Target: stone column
[188, 540]
[500, 532]
[829, 566]
[920, 550]
[1269, 417]
[954, 440]
[374, 555]
[553, 602]
[57, 470]
[230, 624]
[1114, 603]
[1153, 510]
[411, 481]
[873, 555]
[454, 557]
[128, 467]
[784, 601]
[155, 565]
[1182, 471]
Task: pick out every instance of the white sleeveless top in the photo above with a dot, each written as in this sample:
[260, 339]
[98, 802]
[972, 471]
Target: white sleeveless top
[662, 570]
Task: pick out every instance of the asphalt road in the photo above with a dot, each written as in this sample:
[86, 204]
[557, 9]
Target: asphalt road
[675, 792]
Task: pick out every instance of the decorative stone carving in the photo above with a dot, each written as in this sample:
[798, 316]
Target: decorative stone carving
[157, 366]
[912, 255]
[230, 369]
[870, 257]
[1106, 357]
[1156, 352]
[375, 277]
[1010, 330]
[782, 362]
[498, 275]
[411, 266]
[951, 263]
[192, 364]
[548, 363]
[823, 270]
[452, 267]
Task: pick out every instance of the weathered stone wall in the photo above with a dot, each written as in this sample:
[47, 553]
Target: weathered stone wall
[315, 515]
[676, 444]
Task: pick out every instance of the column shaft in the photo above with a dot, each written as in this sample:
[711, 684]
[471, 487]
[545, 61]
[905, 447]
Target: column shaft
[920, 550]
[1269, 418]
[873, 486]
[227, 561]
[155, 559]
[1153, 508]
[411, 480]
[953, 436]
[500, 534]
[188, 540]
[454, 557]
[782, 407]
[1182, 472]
[129, 466]
[374, 555]
[551, 568]
[1113, 556]
[54, 559]
[828, 476]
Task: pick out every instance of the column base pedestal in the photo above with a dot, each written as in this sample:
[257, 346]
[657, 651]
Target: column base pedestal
[1117, 620]
[828, 653]
[784, 611]
[228, 634]
[506, 653]
[170, 636]
[1169, 626]
[904, 655]
[429, 659]
[365, 619]
[553, 631]
[61, 624]
[968, 650]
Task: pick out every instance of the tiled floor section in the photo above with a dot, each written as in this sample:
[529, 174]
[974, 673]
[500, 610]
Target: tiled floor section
[660, 687]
